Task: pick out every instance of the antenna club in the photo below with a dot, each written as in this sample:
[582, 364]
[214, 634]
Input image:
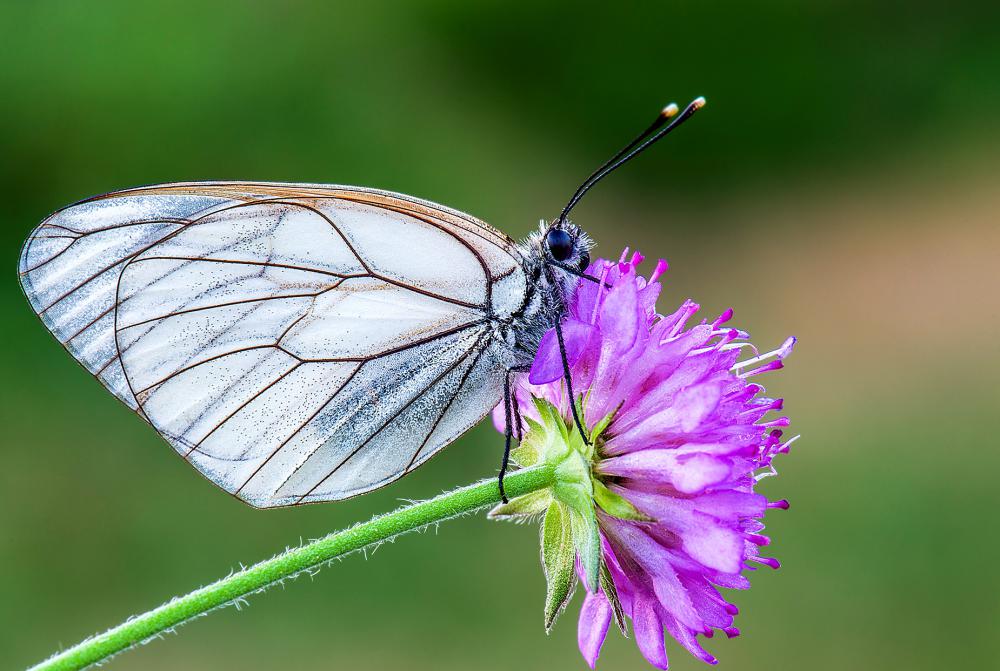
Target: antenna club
[664, 124]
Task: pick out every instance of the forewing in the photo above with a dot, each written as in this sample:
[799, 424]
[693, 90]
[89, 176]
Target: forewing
[294, 343]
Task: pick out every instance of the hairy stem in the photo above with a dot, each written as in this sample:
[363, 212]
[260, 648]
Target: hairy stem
[261, 576]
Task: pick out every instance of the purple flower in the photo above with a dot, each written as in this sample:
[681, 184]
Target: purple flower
[681, 437]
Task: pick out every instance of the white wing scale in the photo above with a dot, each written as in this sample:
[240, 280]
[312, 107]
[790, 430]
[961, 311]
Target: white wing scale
[294, 343]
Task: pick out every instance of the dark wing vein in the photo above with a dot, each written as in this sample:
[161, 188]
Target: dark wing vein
[372, 273]
[445, 408]
[487, 275]
[218, 425]
[183, 223]
[265, 264]
[177, 313]
[389, 419]
[301, 426]
[502, 242]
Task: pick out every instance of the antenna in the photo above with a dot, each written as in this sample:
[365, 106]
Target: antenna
[641, 143]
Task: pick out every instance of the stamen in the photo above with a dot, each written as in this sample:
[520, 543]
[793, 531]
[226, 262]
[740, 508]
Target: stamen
[686, 312]
[740, 345]
[769, 472]
[767, 561]
[723, 318]
[774, 365]
[600, 292]
[661, 267]
[786, 446]
[780, 353]
[721, 345]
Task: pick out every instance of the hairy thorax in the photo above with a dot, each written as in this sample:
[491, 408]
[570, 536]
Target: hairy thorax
[549, 290]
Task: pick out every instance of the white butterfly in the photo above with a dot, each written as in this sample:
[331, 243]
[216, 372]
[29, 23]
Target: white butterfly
[299, 343]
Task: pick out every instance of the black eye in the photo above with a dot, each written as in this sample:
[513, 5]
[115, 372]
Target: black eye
[560, 244]
[584, 260]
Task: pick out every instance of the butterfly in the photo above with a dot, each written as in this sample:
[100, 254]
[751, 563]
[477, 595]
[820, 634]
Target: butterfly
[299, 343]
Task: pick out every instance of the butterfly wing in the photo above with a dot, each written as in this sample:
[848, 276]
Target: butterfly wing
[295, 343]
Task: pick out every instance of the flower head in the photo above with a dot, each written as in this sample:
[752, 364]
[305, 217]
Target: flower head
[678, 437]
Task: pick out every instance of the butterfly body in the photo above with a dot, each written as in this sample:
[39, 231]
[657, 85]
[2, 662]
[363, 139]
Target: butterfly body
[295, 343]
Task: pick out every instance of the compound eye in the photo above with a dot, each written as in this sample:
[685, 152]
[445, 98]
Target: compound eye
[560, 244]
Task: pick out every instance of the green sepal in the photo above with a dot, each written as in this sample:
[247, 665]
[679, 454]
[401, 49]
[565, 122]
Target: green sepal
[558, 557]
[550, 417]
[545, 440]
[615, 504]
[529, 450]
[602, 425]
[576, 440]
[611, 592]
[574, 488]
[524, 507]
[573, 485]
[587, 540]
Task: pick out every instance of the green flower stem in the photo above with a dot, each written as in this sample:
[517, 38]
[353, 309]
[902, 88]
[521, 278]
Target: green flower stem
[261, 576]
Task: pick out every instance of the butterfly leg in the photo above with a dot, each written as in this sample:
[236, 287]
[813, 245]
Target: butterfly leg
[511, 407]
[569, 384]
[507, 435]
[515, 406]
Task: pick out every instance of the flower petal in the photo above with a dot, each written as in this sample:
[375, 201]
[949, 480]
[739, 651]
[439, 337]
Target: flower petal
[649, 633]
[619, 314]
[687, 638]
[709, 542]
[595, 618]
[716, 546]
[548, 365]
[688, 473]
[654, 561]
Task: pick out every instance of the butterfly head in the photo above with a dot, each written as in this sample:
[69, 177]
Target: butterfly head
[565, 245]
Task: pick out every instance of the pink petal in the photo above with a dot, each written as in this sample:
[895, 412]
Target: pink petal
[595, 617]
[732, 505]
[706, 540]
[716, 546]
[714, 610]
[620, 317]
[649, 633]
[678, 405]
[687, 638]
[688, 473]
[499, 417]
[654, 559]
[698, 472]
[548, 366]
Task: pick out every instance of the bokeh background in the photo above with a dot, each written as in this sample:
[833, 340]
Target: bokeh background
[841, 185]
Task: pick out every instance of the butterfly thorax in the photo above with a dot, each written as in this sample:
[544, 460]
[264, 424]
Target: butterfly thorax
[549, 290]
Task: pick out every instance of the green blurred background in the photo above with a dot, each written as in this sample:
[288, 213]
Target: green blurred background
[841, 185]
